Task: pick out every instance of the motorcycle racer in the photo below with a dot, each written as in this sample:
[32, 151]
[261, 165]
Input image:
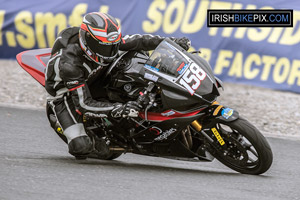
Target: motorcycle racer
[80, 57]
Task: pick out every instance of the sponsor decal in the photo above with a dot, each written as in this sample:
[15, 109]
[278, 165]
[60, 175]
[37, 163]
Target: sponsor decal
[88, 51]
[218, 136]
[165, 134]
[169, 113]
[227, 112]
[151, 77]
[192, 78]
[151, 68]
[95, 71]
[113, 37]
[72, 82]
[155, 130]
[94, 115]
[181, 68]
[59, 130]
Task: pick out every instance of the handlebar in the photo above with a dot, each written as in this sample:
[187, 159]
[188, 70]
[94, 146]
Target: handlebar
[144, 94]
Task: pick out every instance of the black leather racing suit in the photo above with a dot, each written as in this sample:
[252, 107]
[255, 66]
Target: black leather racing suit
[68, 74]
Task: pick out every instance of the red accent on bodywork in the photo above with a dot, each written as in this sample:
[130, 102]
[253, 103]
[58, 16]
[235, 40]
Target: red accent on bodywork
[42, 55]
[156, 132]
[76, 87]
[78, 112]
[151, 116]
[37, 75]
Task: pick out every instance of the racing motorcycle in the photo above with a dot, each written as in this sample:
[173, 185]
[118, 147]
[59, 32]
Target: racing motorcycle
[181, 118]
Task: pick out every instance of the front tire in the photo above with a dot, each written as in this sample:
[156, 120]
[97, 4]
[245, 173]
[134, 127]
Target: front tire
[246, 150]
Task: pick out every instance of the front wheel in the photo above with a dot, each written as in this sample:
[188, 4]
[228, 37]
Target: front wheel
[243, 149]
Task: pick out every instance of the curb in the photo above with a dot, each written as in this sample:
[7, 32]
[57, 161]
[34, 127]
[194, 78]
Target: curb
[288, 137]
[22, 106]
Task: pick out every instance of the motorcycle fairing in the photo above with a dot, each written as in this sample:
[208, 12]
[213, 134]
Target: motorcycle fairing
[177, 150]
[225, 117]
[186, 75]
[34, 62]
[164, 130]
[166, 115]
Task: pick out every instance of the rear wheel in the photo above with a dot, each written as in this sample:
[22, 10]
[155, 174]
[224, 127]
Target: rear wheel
[104, 152]
[244, 150]
[111, 156]
[105, 155]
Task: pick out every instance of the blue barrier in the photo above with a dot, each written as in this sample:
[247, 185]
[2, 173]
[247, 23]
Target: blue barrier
[265, 57]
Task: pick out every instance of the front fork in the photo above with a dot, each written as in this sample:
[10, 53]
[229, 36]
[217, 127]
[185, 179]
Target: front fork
[216, 113]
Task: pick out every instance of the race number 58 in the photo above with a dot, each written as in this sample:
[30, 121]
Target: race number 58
[192, 78]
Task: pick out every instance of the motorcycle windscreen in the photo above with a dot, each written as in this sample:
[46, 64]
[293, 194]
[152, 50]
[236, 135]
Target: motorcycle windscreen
[167, 60]
[185, 72]
[34, 62]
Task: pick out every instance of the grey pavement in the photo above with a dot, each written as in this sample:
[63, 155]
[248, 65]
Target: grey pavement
[34, 164]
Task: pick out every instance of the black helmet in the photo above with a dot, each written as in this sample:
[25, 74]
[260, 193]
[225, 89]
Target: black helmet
[100, 37]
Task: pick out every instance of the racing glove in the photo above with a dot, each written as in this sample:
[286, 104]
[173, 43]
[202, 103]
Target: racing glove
[183, 42]
[130, 109]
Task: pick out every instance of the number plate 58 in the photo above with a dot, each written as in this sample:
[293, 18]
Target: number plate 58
[192, 78]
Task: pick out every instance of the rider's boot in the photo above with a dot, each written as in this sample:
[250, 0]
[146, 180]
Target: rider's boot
[80, 147]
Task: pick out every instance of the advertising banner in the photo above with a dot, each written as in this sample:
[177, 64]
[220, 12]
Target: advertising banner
[263, 56]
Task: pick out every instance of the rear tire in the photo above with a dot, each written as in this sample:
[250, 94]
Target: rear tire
[104, 153]
[243, 143]
[111, 156]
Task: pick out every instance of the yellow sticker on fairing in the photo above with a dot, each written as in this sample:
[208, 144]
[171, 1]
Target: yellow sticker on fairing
[218, 136]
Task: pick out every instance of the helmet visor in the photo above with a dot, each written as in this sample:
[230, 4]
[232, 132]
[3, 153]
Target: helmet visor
[105, 50]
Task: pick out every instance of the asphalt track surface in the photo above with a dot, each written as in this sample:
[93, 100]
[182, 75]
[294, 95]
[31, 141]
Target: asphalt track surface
[34, 164]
